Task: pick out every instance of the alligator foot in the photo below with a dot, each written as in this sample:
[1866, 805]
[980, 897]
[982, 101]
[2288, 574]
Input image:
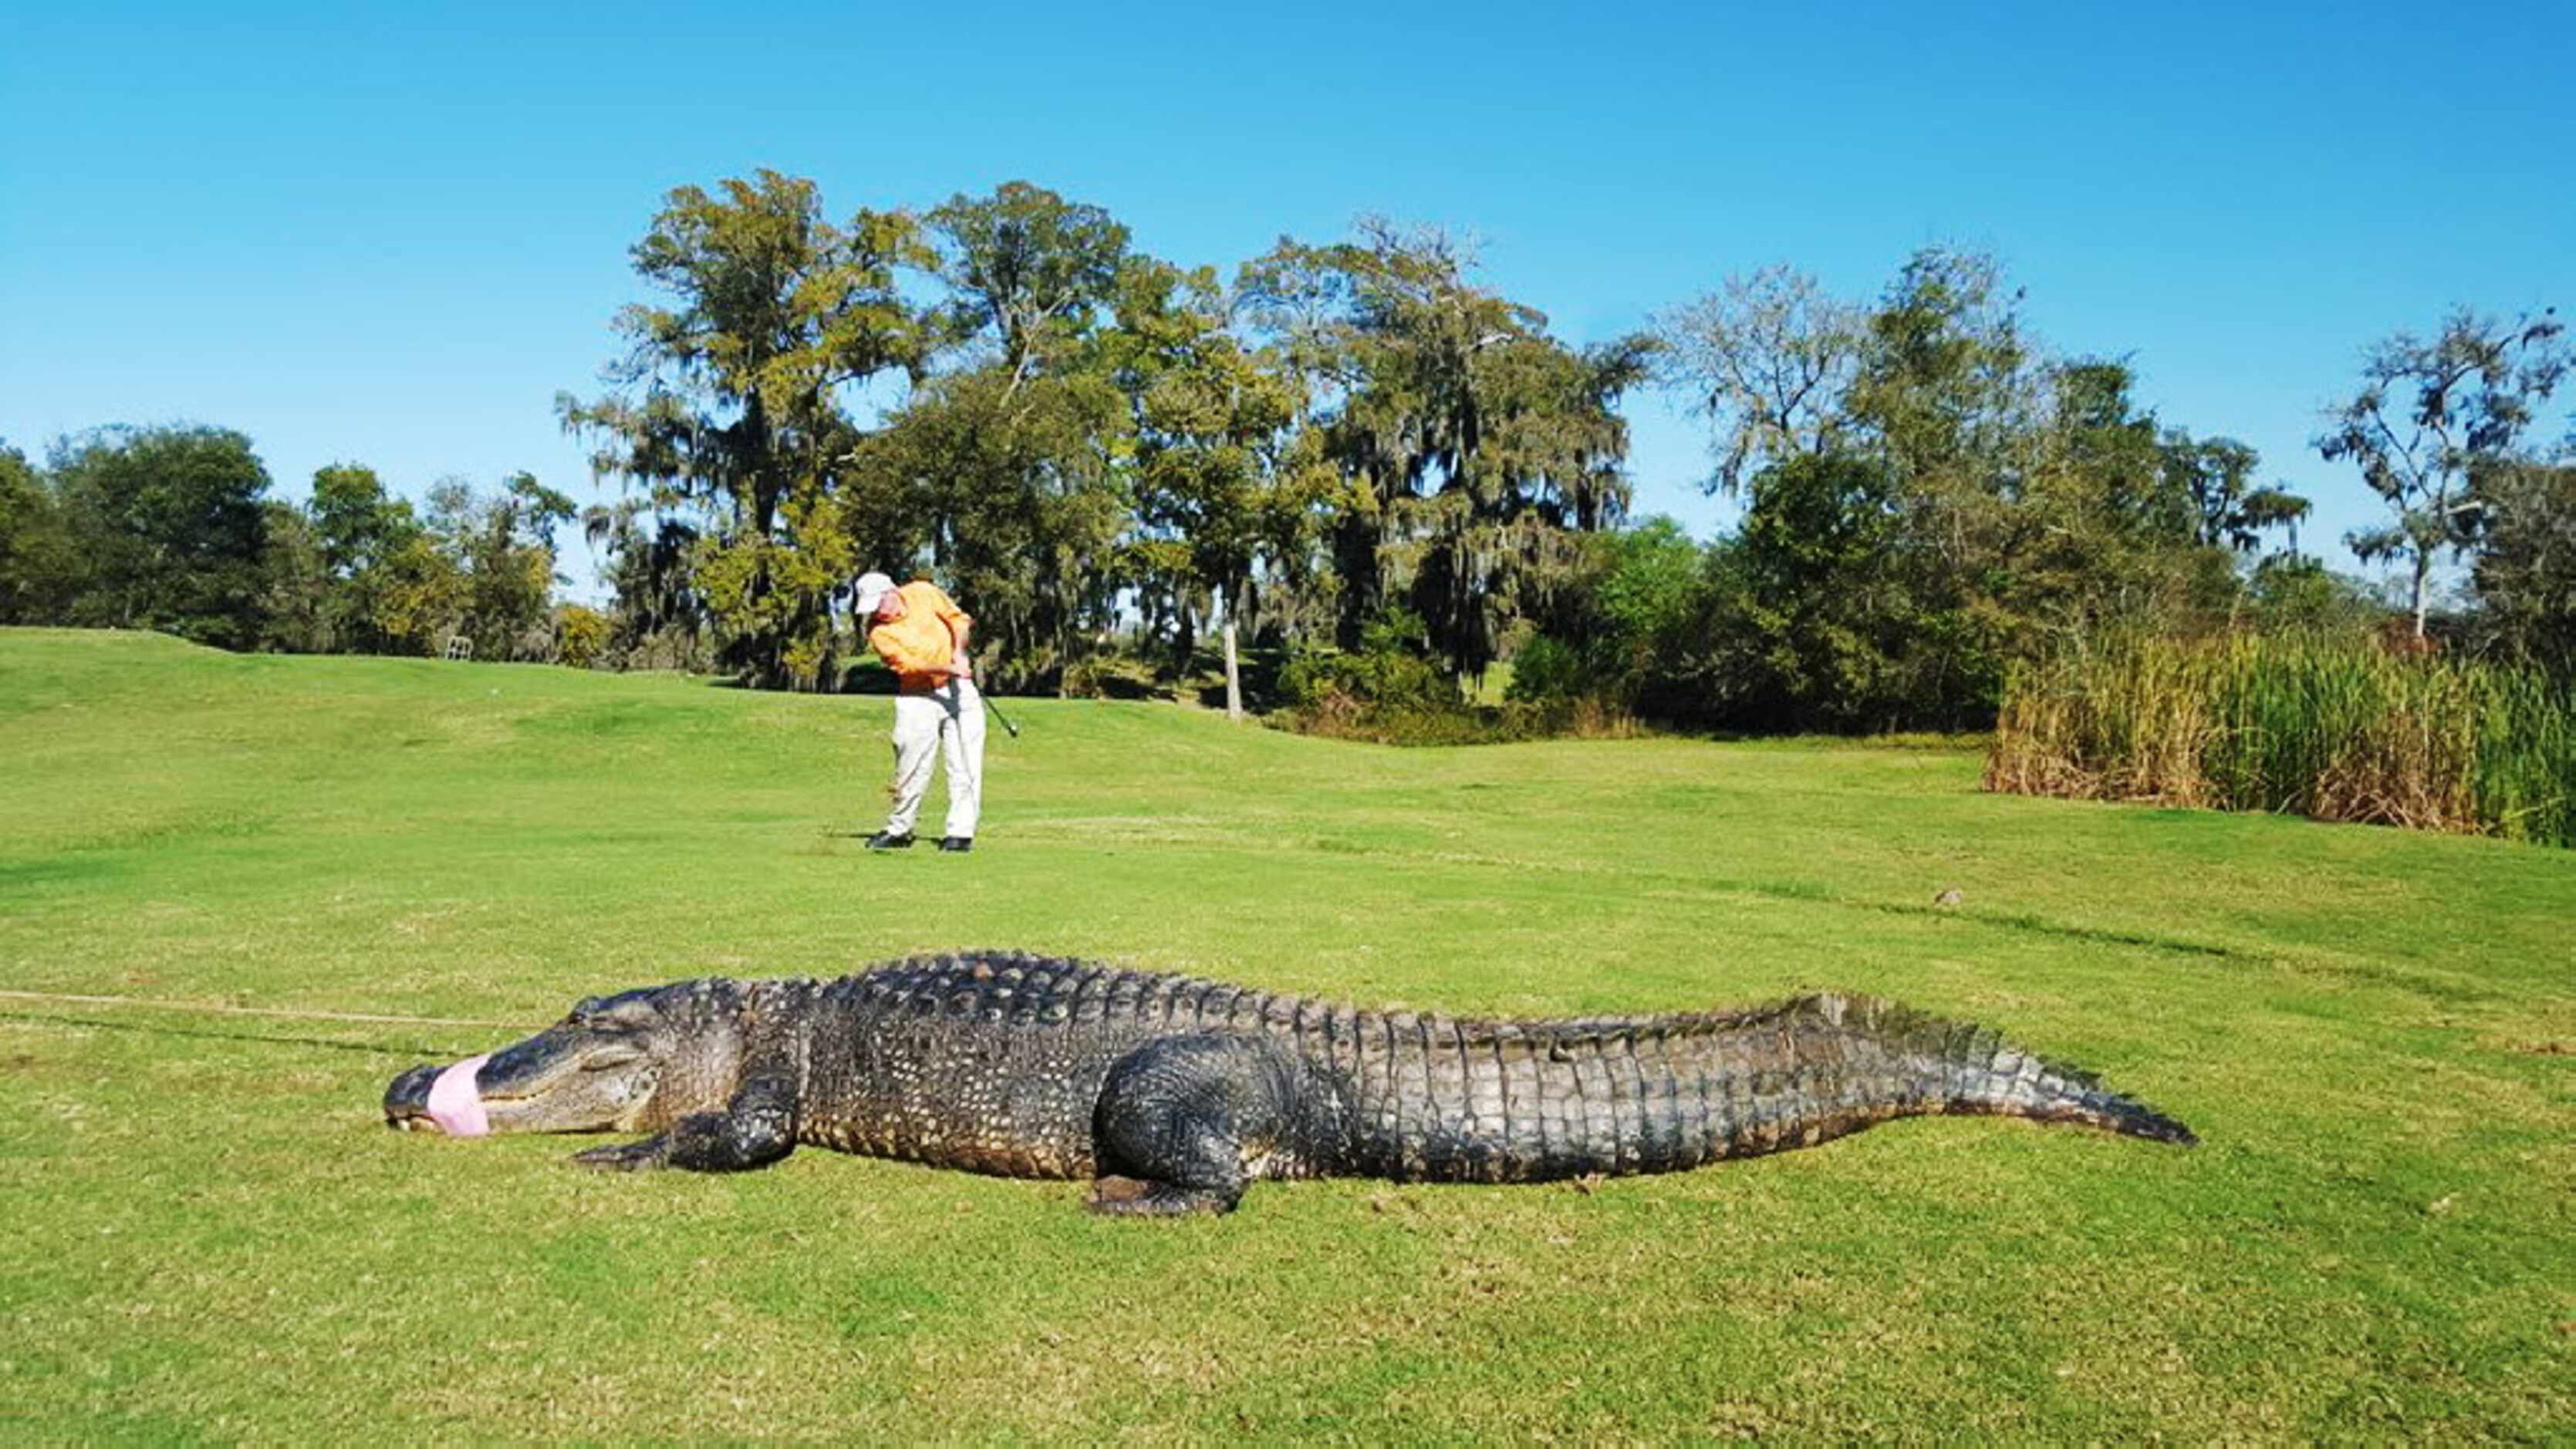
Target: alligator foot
[1114, 1196]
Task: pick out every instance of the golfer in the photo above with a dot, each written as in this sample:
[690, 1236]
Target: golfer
[920, 633]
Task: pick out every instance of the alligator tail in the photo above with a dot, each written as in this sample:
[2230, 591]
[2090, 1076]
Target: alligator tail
[1978, 1072]
[1521, 1101]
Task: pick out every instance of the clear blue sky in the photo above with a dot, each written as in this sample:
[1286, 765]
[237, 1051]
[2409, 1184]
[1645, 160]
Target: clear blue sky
[391, 235]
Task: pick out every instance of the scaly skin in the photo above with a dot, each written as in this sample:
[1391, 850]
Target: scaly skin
[1173, 1094]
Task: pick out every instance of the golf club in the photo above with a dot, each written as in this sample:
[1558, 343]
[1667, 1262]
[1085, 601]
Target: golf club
[995, 711]
[990, 708]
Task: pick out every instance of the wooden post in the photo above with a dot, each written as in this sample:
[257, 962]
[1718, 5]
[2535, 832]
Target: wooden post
[1233, 678]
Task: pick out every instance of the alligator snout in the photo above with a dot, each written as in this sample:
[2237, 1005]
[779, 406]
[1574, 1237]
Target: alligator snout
[407, 1100]
[444, 1100]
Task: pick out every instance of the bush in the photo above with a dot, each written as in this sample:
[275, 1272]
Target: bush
[1378, 680]
[1546, 668]
[1388, 694]
[581, 636]
[1110, 676]
[1614, 629]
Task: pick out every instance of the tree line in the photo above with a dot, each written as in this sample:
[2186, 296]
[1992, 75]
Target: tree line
[1376, 467]
[171, 528]
[1931, 500]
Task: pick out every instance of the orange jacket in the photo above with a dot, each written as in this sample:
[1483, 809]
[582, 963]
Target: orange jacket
[920, 646]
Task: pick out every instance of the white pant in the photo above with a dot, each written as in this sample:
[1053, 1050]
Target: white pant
[949, 720]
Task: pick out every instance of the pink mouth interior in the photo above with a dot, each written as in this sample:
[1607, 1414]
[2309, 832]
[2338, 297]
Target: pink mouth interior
[454, 1104]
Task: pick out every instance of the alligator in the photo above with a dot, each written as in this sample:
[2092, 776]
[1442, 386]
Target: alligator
[1172, 1094]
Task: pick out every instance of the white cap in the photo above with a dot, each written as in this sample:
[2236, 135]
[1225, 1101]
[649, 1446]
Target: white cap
[872, 590]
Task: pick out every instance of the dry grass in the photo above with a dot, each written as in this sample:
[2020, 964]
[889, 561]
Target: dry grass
[2333, 729]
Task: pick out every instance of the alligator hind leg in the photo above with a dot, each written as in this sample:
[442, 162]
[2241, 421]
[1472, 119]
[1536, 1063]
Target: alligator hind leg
[1178, 1120]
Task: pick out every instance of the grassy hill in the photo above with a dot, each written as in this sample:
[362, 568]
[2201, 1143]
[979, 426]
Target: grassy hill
[204, 1232]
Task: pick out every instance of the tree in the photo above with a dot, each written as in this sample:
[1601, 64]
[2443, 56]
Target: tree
[1228, 488]
[1006, 473]
[358, 528]
[1545, 470]
[733, 401]
[419, 597]
[1770, 360]
[2216, 475]
[1618, 635]
[658, 616]
[1013, 483]
[2524, 570]
[1888, 582]
[37, 566]
[1930, 496]
[1931, 384]
[1470, 443]
[1026, 270]
[1943, 390]
[502, 548]
[355, 521]
[582, 636]
[2100, 521]
[295, 584]
[1830, 616]
[2291, 590]
[1931, 379]
[2430, 419]
[167, 524]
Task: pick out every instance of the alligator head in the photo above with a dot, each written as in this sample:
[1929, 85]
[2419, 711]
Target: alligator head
[632, 1062]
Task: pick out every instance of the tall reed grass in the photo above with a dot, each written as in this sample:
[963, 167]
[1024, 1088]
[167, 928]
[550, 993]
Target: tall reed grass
[2335, 728]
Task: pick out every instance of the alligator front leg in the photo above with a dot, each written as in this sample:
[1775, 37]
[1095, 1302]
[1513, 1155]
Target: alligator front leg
[1178, 1120]
[729, 1141]
[756, 1128]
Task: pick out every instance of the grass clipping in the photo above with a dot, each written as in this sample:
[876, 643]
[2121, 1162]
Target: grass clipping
[2330, 728]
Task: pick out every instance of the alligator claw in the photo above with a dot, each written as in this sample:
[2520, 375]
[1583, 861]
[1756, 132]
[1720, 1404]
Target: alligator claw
[1109, 1188]
[1114, 1196]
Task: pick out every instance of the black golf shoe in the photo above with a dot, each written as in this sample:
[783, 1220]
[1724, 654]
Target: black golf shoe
[888, 840]
[957, 843]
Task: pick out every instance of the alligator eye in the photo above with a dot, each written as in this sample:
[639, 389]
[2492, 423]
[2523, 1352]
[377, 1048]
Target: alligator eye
[611, 1056]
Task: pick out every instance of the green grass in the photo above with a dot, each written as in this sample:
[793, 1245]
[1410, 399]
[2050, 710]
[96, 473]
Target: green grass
[205, 1234]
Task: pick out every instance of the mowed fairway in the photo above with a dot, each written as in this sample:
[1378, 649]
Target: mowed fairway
[205, 1231]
